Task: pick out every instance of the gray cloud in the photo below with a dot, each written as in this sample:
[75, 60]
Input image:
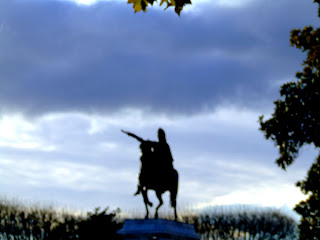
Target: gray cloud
[57, 56]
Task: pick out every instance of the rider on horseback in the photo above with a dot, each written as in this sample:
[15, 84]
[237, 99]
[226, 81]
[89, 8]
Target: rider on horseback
[156, 160]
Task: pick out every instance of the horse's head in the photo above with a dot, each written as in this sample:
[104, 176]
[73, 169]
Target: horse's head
[146, 148]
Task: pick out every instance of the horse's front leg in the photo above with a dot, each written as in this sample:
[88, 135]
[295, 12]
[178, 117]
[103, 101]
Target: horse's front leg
[159, 196]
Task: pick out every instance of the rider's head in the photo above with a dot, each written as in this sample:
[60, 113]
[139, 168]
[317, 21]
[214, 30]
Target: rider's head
[161, 135]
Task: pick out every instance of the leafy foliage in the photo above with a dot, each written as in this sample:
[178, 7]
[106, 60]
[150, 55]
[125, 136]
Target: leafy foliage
[246, 223]
[18, 222]
[100, 223]
[178, 5]
[241, 222]
[310, 209]
[296, 122]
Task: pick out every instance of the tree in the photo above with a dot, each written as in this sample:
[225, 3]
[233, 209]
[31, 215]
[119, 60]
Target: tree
[296, 122]
[19, 222]
[178, 5]
[310, 209]
[100, 224]
[246, 223]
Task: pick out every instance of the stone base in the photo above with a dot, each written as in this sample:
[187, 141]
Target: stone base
[157, 229]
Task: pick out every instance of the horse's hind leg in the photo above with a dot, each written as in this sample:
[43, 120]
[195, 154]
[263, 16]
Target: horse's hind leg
[159, 196]
[175, 213]
[173, 196]
[146, 202]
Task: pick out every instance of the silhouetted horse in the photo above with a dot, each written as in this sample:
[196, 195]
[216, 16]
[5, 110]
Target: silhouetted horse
[160, 184]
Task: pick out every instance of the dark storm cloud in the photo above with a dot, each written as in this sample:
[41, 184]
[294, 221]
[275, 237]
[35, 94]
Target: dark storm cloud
[58, 56]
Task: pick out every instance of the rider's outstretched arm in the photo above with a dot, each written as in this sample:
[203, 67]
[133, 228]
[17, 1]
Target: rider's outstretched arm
[133, 135]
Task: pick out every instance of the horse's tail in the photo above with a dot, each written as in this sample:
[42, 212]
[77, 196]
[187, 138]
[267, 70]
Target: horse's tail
[174, 190]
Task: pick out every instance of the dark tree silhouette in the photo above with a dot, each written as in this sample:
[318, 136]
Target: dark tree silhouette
[19, 222]
[296, 122]
[310, 209]
[100, 223]
[236, 224]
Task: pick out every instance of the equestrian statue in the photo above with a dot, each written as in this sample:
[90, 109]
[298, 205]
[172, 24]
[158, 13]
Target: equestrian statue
[156, 172]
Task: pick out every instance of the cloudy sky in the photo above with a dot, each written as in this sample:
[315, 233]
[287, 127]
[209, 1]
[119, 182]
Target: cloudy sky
[73, 73]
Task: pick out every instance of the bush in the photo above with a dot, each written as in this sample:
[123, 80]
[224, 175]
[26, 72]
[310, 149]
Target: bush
[19, 222]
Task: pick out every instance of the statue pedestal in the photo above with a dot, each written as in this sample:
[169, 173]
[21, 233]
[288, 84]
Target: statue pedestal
[157, 229]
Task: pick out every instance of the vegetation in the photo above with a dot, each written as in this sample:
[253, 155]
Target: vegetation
[18, 222]
[245, 223]
[296, 122]
[178, 5]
